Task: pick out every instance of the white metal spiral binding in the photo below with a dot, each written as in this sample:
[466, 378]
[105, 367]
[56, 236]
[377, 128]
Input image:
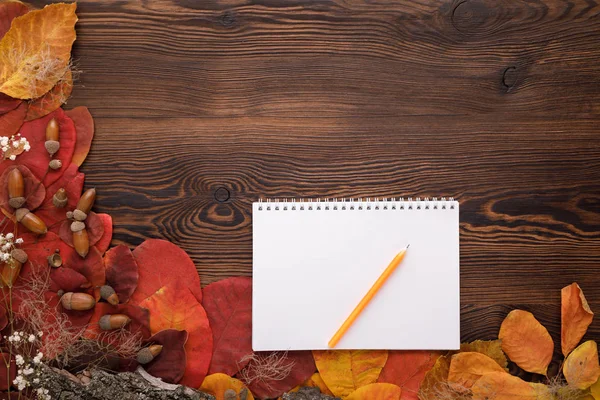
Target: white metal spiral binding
[359, 204]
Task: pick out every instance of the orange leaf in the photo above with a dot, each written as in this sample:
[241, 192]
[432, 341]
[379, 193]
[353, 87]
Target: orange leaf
[51, 100]
[219, 384]
[344, 371]
[466, 368]
[503, 386]
[526, 341]
[35, 52]
[316, 381]
[595, 390]
[575, 315]
[175, 307]
[581, 367]
[491, 348]
[379, 391]
[407, 370]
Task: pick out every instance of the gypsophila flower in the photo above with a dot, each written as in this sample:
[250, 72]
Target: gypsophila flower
[36, 381]
[4, 141]
[28, 371]
[19, 360]
[31, 338]
[19, 241]
[13, 146]
[6, 246]
[13, 157]
[9, 236]
[40, 333]
[16, 144]
[27, 147]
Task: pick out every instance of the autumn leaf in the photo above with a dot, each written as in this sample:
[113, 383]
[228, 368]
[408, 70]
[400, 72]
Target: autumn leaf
[379, 391]
[35, 52]
[160, 263]
[466, 368]
[270, 374]
[344, 371]
[3, 318]
[503, 386]
[51, 100]
[576, 317]
[84, 126]
[37, 158]
[8, 370]
[11, 121]
[581, 367]
[526, 342]
[67, 280]
[33, 191]
[435, 384]
[491, 348]
[169, 364]
[139, 324]
[93, 224]
[595, 390]
[121, 271]
[228, 304]
[175, 307]
[10, 10]
[316, 381]
[7, 103]
[104, 241]
[218, 384]
[407, 369]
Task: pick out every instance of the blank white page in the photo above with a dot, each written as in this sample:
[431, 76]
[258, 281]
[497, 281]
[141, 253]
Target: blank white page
[314, 261]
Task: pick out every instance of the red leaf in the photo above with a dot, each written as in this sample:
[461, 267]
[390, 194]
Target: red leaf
[7, 373]
[10, 10]
[121, 271]
[68, 280]
[93, 224]
[140, 319]
[11, 121]
[72, 182]
[91, 267]
[228, 304]
[407, 370]
[160, 263]
[7, 103]
[37, 158]
[78, 319]
[104, 242]
[174, 306]
[3, 318]
[34, 191]
[303, 366]
[169, 365]
[52, 99]
[84, 126]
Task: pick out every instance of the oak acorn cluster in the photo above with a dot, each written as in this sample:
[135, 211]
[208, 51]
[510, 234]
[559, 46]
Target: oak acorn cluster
[81, 240]
[16, 199]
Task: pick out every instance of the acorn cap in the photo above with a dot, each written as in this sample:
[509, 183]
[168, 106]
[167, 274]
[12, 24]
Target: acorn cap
[20, 213]
[19, 255]
[54, 260]
[230, 394]
[17, 202]
[77, 226]
[60, 198]
[79, 215]
[148, 354]
[55, 164]
[69, 214]
[108, 294]
[52, 146]
[104, 322]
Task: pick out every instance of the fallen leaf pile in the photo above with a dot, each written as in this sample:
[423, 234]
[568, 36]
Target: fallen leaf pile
[145, 308]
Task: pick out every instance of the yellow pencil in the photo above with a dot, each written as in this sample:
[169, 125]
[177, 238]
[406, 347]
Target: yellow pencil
[365, 300]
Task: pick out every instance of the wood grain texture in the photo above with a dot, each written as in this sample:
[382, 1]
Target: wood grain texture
[202, 107]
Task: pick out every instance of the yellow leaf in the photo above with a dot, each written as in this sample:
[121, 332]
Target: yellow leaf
[344, 371]
[220, 385]
[503, 386]
[491, 348]
[466, 368]
[35, 52]
[581, 368]
[316, 381]
[595, 390]
[379, 391]
[576, 316]
[435, 385]
[526, 342]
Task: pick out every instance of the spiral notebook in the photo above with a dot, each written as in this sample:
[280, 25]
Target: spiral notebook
[313, 261]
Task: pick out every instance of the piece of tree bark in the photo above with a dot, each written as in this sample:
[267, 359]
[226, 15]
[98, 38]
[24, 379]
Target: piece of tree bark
[308, 393]
[109, 386]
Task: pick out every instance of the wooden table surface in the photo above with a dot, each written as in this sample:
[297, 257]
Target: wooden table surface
[202, 107]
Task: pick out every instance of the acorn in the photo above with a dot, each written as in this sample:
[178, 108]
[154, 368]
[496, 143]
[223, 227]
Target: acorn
[77, 301]
[52, 134]
[86, 201]
[31, 221]
[69, 214]
[147, 354]
[12, 268]
[16, 188]
[109, 294]
[55, 260]
[115, 321]
[55, 164]
[60, 198]
[79, 215]
[230, 394]
[81, 242]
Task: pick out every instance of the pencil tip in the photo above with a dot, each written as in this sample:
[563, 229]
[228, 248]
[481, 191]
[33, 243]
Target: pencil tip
[408, 245]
